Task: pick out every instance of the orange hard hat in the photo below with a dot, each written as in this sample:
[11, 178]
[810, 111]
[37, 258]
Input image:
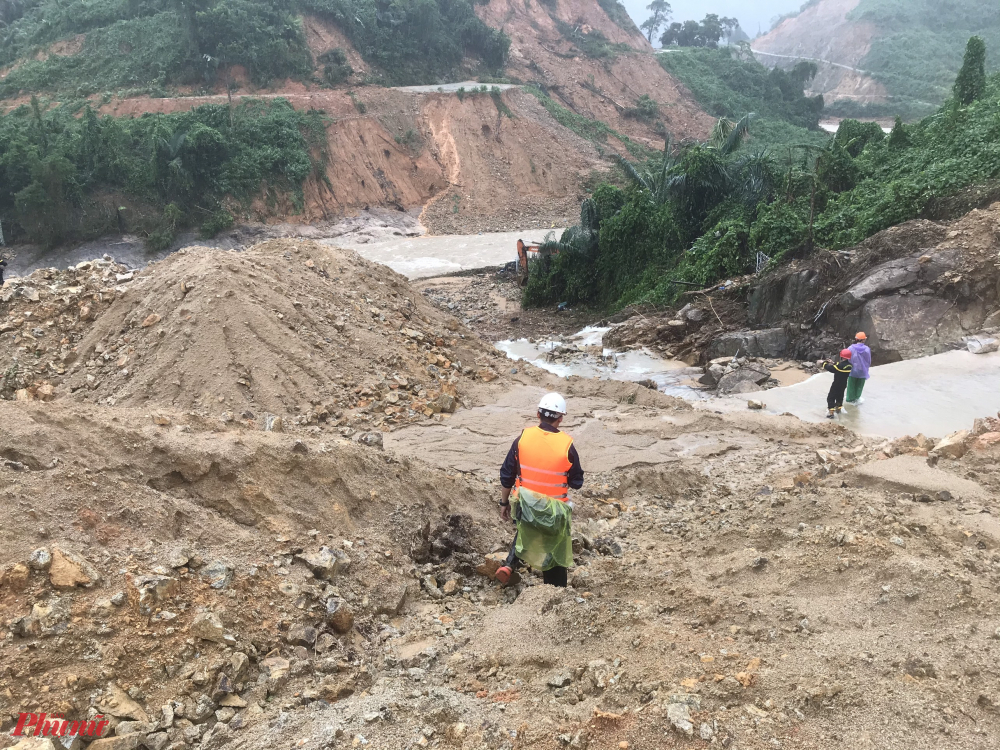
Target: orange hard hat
[861, 336]
[845, 353]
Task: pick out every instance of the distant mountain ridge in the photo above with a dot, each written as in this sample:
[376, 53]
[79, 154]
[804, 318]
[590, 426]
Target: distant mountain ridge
[883, 57]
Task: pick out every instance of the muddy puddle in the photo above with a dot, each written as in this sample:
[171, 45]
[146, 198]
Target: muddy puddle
[584, 355]
[934, 395]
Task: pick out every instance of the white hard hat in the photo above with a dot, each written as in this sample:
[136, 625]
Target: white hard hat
[552, 402]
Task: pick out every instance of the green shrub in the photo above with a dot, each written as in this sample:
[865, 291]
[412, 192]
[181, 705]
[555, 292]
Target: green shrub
[54, 166]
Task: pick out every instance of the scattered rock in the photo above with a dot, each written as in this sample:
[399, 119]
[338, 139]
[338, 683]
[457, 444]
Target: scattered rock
[68, 570]
[208, 627]
[679, 716]
[217, 573]
[40, 559]
[339, 615]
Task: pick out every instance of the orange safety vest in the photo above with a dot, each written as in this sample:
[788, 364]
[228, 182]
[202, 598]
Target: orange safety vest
[543, 462]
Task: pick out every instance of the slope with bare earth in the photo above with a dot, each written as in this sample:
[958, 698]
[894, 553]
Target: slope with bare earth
[600, 89]
[822, 33]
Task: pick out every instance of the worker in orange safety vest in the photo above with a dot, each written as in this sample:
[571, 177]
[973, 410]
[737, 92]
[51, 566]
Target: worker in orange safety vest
[542, 459]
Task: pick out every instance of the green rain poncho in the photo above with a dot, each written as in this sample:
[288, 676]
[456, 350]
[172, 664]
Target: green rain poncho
[544, 540]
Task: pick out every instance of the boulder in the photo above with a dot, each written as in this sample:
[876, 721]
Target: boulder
[771, 342]
[953, 446]
[887, 277]
[745, 379]
[983, 345]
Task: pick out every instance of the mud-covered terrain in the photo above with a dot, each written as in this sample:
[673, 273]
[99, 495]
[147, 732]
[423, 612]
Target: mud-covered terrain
[208, 579]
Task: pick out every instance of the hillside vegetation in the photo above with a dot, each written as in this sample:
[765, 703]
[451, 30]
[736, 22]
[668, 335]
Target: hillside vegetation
[150, 45]
[703, 212]
[727, 82]
[65, 177]
[917, 50]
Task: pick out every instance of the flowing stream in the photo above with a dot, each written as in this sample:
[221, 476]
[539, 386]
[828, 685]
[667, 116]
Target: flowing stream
[584, 355]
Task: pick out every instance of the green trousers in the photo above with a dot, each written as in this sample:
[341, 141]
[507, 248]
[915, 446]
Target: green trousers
[854, 388]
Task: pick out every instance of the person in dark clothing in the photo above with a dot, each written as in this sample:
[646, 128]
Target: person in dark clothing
[841, 372]
[539, 458]
[3, 265]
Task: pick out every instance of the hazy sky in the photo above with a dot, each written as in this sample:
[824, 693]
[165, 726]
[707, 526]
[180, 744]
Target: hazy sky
[753, 14]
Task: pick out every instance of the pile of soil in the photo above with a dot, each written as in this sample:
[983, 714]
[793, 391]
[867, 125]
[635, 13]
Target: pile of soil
[288, 327]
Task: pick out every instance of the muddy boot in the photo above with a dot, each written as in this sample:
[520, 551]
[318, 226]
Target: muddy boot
[507, 576]
[830, 415]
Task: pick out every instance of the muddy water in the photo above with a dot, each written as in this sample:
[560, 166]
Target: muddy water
[435, 255]
[934, 395]
[592, 360]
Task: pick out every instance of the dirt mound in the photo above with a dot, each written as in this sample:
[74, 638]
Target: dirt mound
[823, 33]
[293, 328]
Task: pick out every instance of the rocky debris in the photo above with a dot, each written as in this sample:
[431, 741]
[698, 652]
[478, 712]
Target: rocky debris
[326, 563]
[44, 316]
[916, 289]
[149, 591]
[389, 356]
[217, 573]
[679, 716]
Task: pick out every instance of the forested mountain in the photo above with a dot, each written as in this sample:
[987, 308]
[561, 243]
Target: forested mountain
[905, 53]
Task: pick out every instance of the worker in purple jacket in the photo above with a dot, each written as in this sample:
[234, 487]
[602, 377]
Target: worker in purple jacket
[861, 361]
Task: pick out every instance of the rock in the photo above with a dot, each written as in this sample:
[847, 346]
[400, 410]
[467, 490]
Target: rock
[223, 687]
[444, 403]
[160, 419]
[326, 563]
[746, 379]
[208, 627]
[68, 570]
[151, 320]
[117, 703]
[34, 743]
[953, 446]
[770, 343]
[149, 591]
[239, 665]
[987, 439]
[706, 732]
[273, 423]
[156, 741]
[133, 727]
[679, 716]
[275, 667]
[559, 679]
[339, 615]
[301, 635]
[372, 439]
[232, 701]
[17, 577]
[898, 541]
[450, 587]
[983, 345]
[756, 405]
[218, 574]
[40, 559]
[126, 742]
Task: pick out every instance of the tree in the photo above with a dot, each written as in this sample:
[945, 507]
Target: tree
[705, 34]
[971, 82]
[661, 12]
